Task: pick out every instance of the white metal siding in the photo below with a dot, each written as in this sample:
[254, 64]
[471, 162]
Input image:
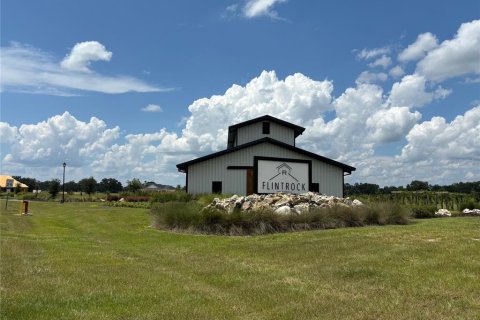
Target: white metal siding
[201, 175]
[255, 131]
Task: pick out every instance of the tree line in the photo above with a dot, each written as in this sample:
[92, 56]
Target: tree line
[86, 185]
[415, 185]
[112, 185]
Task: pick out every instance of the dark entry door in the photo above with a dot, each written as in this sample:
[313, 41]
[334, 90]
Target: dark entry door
[249, 181]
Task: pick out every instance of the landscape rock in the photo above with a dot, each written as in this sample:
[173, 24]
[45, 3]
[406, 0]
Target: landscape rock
[471, 212]
[357, 203]
[283, 210]
[246, 206]
[301, 208]
[443, 213]
[281, 203]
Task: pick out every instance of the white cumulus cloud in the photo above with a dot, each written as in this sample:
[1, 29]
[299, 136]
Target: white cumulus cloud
[396, 72]
[437, 139]
[384, 61]
[410, 92]
[391, 124]
[83, 53]
[140, 156]
[61, 138]
[8, 134]
[298, 99]
[456, 57]
[417, 50]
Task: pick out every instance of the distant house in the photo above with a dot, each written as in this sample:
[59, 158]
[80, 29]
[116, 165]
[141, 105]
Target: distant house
[152, 186]
[8, 183]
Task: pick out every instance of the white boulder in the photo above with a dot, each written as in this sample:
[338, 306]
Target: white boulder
[471, 212]
[301, 208]
[443, 213]
[357, 203]
[284, 210]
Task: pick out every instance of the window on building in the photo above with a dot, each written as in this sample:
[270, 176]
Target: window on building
[266, 128]
[314, 187]
[216, 186]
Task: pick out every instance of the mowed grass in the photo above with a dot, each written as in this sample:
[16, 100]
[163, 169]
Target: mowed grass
[86, 261]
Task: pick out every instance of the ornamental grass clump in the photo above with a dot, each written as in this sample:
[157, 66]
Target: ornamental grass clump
[176, 215]
[423, 211]
[382, 213]
[192, 217]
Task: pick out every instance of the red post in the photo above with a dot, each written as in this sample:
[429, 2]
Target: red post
[25, 207]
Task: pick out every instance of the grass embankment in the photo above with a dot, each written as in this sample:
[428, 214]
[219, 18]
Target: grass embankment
[85, 261]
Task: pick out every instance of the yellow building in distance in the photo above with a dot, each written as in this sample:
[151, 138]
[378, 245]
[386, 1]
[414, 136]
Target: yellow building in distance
[7, 182]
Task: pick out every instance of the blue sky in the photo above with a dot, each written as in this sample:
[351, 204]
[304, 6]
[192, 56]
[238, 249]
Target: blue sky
[341, 69]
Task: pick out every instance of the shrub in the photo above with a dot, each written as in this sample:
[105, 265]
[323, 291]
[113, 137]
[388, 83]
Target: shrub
[213, 216]
[423, 212]
[43, 196]
[469, 205]
[347, 216]
[28, 196]
[376, 213]
[397, 214]
[112, 197]
[176, 215]
[191, 216]
[137, 199]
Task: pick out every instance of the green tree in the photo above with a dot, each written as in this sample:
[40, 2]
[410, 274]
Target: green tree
[110, 185]
[134, 185]
[88, 185]
[54, 187]
[417, 185]
[361, 188]
[72, 186]
[17, 189]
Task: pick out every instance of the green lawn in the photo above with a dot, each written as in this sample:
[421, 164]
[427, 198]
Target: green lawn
[86, 261]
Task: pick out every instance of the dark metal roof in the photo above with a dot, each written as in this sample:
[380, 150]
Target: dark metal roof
[232, 130]
[182, 167]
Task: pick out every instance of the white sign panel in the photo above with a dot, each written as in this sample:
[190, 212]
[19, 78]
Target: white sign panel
[282, 176]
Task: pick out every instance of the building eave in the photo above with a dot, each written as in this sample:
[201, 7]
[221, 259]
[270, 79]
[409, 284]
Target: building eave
[182, 167]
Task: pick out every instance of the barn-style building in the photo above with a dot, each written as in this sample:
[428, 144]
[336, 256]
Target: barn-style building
[261, 157]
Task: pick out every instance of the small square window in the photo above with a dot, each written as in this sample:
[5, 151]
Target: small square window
[216, 186]
[314, 187]
[266, 128]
